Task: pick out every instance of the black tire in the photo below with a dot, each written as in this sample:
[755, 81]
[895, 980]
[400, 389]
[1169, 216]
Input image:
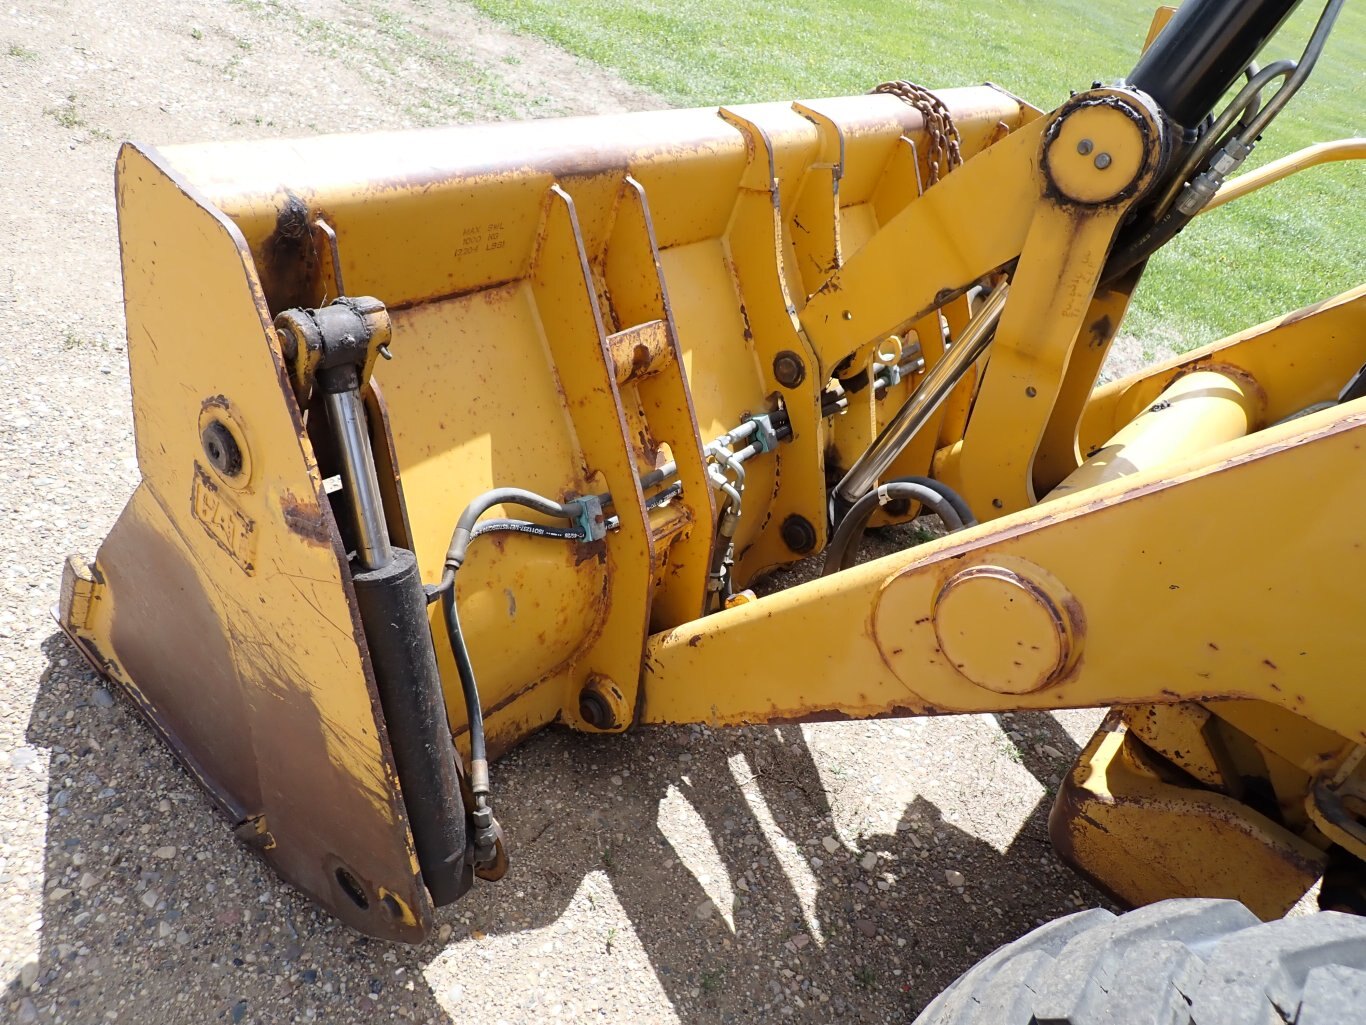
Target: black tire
[1177, 962]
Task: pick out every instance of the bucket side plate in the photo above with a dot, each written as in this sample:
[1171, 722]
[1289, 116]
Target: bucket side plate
[219, 602]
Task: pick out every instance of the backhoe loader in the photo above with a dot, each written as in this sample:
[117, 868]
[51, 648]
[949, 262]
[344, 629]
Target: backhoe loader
[448, 435]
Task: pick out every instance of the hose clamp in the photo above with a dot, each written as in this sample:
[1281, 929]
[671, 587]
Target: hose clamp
[587, 516]
[765, 437]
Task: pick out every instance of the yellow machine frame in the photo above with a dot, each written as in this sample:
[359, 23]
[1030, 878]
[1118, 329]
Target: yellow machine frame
[573, 304]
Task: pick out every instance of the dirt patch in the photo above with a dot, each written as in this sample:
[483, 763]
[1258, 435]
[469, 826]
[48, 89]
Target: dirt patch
[838, 870]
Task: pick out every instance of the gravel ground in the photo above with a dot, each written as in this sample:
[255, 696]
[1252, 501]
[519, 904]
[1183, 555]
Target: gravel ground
[837, 871]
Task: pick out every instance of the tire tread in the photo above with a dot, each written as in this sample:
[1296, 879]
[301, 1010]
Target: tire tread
[1186, 961]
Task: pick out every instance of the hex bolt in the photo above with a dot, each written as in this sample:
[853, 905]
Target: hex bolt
[798, 534]
[1085, 146]
[1102, 161]
[788, 369]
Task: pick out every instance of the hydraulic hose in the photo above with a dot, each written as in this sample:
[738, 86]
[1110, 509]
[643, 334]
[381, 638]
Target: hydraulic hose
[935, 495]
[466, 529]
[1222, 150]
[1243, 107]
[484, 838]
[1170, 220]
[662, 497]
[533, 529]
[960, 505]
[648, 481]
[526, 527]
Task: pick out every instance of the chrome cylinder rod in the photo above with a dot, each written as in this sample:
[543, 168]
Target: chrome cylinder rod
[923, 402]
[347, 416]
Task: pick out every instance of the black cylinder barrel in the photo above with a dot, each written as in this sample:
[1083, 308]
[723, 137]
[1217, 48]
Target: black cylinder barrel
[393, 611]
[1202, 52]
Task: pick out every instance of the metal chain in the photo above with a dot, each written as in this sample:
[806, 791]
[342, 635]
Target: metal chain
[945, 150]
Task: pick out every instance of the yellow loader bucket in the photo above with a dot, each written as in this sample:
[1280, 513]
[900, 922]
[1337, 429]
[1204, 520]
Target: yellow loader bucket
[547, 291]
[448, 435]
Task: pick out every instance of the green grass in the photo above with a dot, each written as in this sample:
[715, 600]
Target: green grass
[67, 115]
[379, 41]
[1276, 250]
[457, 84]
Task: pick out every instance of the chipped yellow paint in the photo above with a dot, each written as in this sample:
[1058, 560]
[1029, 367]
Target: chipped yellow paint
[577, 303]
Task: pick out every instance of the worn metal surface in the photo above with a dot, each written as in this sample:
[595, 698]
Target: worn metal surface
[1144, 838]
[221, 604]
[570, 234]
[865, 642]
[574, 306]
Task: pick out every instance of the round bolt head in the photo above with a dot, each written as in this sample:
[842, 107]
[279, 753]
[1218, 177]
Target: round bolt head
[221, 448]
[595, 710]
[1079, 133]
[602, 705]
[798, 534]
[788, 369]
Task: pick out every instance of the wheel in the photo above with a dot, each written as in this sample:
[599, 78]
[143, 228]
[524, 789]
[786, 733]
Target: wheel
[1176, 962]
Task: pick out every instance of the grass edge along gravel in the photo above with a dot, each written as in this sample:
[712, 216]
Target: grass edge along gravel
[1285, 247]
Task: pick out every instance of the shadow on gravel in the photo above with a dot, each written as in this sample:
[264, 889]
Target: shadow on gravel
[153, 913]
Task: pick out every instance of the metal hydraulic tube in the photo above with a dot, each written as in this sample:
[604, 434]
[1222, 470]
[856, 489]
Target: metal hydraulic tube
[1270, 173]
[347, 417]
[933, 390]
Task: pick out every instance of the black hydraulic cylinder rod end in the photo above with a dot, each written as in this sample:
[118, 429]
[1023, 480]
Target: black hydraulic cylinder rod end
[1203, 50]
[393, 611]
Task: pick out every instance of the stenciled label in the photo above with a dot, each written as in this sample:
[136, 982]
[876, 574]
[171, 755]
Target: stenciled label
[234, 532]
